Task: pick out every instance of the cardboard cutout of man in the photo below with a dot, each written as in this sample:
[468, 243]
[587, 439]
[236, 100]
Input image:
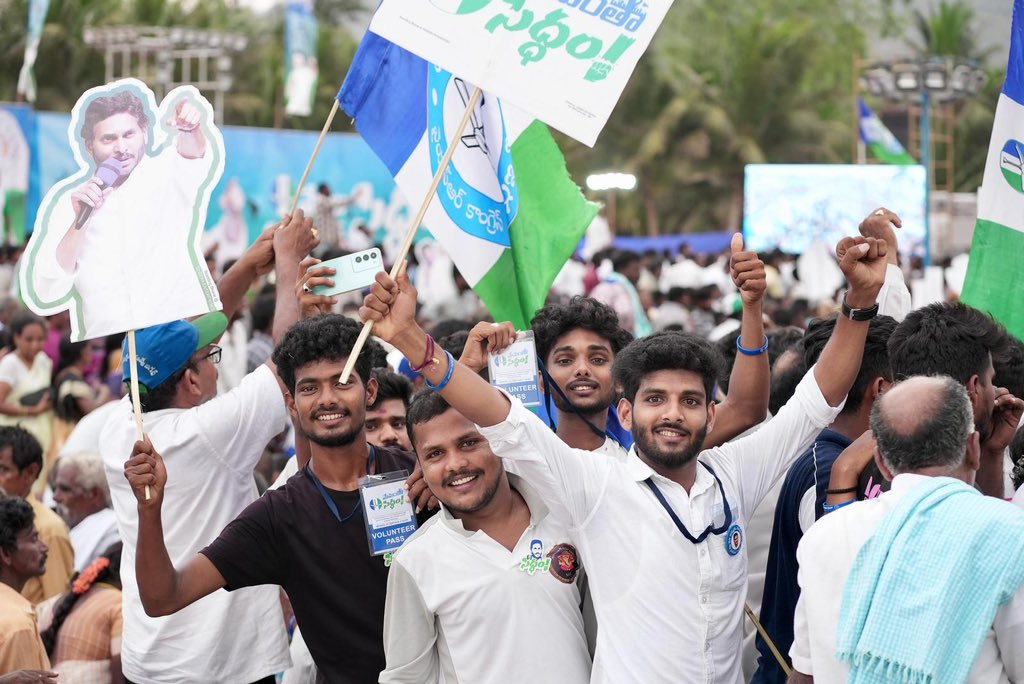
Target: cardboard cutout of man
[118, 243]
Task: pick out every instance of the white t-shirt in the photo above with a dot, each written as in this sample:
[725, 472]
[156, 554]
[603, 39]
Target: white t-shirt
[85, 437]
[668, 610]
[12, 369]
[826, 555]
[210, 452]
[135, 268]
[92, 536]
[463, 608]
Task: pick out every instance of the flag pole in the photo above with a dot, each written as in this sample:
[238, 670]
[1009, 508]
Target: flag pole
[364, 334]
[133, 358]
[316, 151]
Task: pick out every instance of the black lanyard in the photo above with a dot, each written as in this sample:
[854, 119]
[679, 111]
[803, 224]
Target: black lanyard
[327, 497]
[711, 529]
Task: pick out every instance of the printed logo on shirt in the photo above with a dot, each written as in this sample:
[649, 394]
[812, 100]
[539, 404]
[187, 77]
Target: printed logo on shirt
[535, 561]
[565, 563]
[734, 540]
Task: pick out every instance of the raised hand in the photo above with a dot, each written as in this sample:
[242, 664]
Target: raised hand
[747, 271]
[863, 262]
[1006, 414]
[295, 237]
[882, 224]
[391, 305]
[146, 469]
[486, 338]
[187, 116]
[310, 303]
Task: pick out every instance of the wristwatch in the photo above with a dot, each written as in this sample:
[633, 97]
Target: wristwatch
[859, 314]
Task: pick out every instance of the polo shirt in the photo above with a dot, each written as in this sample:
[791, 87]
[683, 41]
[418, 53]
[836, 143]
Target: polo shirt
[669, 610]
[290, 537]
[209, 452]
[463, 608]
[827, 554]
[806, 481]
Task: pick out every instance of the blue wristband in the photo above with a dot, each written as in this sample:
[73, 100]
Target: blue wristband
[828, 508]
[447, 376]
[752, 352]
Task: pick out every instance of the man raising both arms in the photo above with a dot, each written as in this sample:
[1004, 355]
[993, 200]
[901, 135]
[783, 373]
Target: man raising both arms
[662, 534]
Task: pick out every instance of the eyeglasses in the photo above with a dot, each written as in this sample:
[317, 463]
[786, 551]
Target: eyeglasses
[213, 356]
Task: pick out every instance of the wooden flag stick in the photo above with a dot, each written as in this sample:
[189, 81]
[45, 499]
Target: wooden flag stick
[364, 334]
[316, 151]
[136, 403]
[768, 640]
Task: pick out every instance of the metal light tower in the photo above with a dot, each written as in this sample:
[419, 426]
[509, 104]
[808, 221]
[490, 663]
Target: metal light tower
[165, 58]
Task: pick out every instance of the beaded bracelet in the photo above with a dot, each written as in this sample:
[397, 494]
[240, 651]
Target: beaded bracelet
[447, 376]
[752, 352]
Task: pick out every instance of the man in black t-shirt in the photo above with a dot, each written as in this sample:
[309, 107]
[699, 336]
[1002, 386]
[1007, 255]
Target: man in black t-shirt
[309, 536]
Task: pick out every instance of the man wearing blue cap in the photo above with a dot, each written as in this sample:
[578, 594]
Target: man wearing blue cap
[212, 444]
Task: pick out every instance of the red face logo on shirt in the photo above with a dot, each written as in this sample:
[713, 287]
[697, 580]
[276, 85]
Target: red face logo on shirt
[565, 562]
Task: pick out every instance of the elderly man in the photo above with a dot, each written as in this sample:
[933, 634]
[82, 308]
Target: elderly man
[933, 571]
[83, 501]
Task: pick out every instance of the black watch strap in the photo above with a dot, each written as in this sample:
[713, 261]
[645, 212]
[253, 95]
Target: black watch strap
[859, 314]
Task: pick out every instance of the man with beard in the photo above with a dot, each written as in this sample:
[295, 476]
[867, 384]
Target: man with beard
[213, 442]
[83, 501]
[488, 588]
[578, 342]
[659, 532]
[309, 536]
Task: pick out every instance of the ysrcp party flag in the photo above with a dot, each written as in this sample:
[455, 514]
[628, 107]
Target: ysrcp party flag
[994, 276]
[506, 211]
[301, 72]
[564, 62]
[27, 77]
[879, 140]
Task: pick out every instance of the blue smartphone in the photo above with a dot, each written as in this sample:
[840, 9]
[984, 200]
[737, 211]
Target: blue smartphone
[352, 272]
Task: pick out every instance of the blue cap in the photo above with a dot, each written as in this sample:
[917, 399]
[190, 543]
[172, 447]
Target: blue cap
[165, 349]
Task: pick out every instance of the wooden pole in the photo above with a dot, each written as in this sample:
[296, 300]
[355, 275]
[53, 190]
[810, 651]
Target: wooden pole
[316, 151]
[768, 640]
[364, 334]
[136, 403]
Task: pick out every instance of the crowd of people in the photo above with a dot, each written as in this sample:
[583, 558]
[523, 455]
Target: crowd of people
[728, 481]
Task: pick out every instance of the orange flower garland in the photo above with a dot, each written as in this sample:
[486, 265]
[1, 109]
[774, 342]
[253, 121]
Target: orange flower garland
[87, 577]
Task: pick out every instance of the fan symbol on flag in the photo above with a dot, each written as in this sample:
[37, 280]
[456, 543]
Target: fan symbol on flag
[1011, 163]
[478, 137]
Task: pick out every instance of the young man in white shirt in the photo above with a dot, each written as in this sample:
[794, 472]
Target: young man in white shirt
[661, 535]
[486, 590]
[213, 443]
[924, 429]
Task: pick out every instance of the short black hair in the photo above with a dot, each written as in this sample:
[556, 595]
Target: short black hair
[391, 385]
[262, 311]
[874, 364]
[25, 449]
[555, 320]
[327, 337]
[666, 351]
[1009, 367]
[102, 108]
[447, 326]
[455, 343]
[16, 515]
[784, 381]
[624, 259]
[945, 339]
[426, 405]
[161, 396]
[781, 340]
[23, 319]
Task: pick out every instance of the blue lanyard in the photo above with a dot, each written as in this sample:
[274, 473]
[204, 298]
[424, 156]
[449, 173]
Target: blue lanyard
[551, 384]
[711, 529]
[327, 497]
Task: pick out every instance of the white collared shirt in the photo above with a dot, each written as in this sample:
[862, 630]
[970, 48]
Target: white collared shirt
[668, 610]
[463, 608]
[92, 535]
[826, 555]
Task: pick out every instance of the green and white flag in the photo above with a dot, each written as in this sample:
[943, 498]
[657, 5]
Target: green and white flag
[995, 278]
[879, 140]
[506, 211]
